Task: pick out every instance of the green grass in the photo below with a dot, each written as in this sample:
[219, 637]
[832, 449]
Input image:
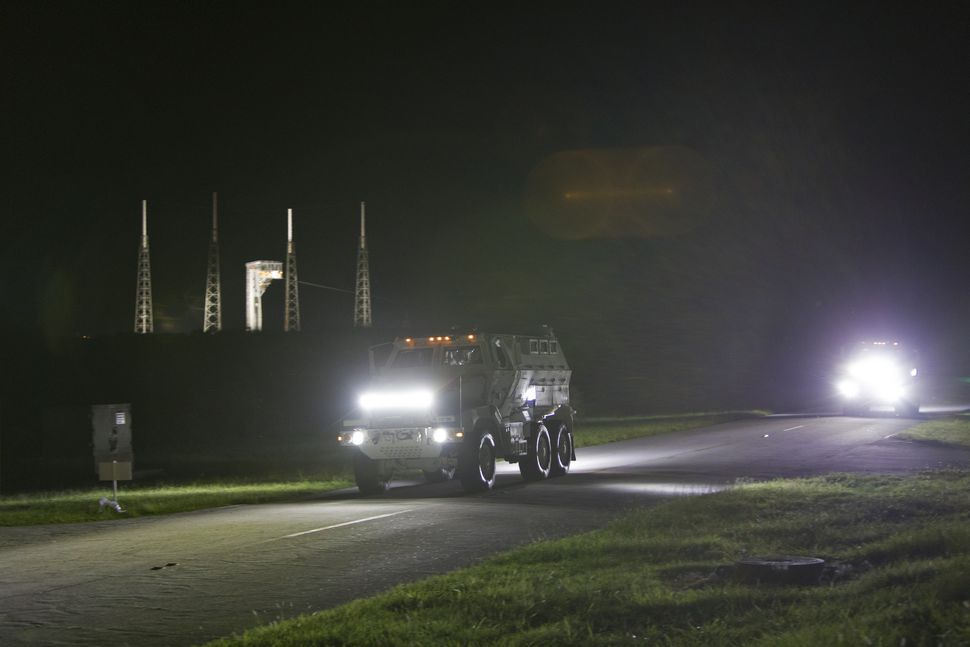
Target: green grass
[82, 505]
[664, 576]
[952, 431]
[597, 431]
[137, 500]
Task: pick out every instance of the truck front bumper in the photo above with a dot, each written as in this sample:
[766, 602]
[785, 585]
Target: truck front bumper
[403, 443]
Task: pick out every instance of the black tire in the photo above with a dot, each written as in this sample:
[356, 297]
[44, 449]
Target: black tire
[368, 475]
[476, 463]
[439, 475]
[537, 462]
[562, 448]
[908, 410]
[854, 410]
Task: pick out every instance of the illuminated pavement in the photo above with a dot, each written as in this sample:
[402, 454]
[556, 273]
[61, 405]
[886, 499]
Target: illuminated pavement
[187, 578]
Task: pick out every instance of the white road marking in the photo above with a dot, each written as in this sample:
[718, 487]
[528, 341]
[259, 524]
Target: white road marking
[340, 525]
[793, 428]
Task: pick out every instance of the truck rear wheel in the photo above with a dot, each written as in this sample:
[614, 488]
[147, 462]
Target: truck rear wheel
[537, 462]
[368, 475]
[562, 448]
[476, 464]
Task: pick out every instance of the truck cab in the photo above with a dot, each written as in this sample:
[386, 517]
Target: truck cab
[454, 404]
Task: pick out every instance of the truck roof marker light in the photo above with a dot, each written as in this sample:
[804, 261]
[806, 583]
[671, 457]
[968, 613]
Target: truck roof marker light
[409, 340]
[447, 338]
[471, 337]
[430, 338]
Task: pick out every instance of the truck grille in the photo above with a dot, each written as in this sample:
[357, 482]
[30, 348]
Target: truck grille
[400, 443]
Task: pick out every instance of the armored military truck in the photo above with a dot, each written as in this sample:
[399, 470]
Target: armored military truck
[451, 405]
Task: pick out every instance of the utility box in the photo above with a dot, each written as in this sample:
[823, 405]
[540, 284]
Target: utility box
[113, 455]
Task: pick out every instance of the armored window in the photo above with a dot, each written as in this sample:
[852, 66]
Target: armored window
[461, 356]
[533, 346]
[544, 346]
[553, 347]
[413, 358]
[119, 417]
[501, 357]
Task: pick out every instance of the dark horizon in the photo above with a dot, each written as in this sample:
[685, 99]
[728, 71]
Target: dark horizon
[831, 203]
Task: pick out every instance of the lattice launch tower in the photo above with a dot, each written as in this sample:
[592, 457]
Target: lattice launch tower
[362, 307]
[291, 322]
[212, 317]
[144, 319]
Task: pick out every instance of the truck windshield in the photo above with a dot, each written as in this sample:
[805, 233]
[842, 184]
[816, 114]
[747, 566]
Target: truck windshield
[462, 356]
[413, 358]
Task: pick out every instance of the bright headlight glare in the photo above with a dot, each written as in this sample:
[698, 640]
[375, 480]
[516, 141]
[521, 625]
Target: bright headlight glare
[848, 388]
[439, 435]
[873, 369]
[414, 399]
[890, 392]
[357, 438]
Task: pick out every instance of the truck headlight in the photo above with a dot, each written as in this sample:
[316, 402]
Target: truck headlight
[439, 435]
[848, 388]
[414, 399]
[890, 392]
[357, 438]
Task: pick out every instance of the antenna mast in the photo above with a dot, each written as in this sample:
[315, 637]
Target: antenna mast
[212, 318]
[362, 309]
[144, 319]
[291, 322]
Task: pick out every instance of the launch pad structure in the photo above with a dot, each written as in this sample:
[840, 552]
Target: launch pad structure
[259, 275]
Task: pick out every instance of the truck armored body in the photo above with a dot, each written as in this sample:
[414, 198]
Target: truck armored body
[452, 405]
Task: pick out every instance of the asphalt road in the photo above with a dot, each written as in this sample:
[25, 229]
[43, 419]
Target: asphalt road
[188, 578]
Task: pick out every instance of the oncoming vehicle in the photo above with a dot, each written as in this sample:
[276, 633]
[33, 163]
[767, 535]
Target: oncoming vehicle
[879, 373]
[453, 404]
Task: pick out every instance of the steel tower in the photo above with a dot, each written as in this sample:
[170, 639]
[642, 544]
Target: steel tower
[291, 322]
[212, 318]
[362, 310]
[144, 320]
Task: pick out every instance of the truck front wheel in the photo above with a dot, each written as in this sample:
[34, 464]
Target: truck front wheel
[562, 448]
[537, 462]
[368, 475]
[476, 464]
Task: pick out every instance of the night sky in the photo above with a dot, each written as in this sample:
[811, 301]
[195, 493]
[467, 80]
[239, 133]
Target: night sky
[693, 180]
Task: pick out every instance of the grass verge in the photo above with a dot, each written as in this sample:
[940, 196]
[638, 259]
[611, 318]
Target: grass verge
[898, 550]
[82, 505]
[597, 431]
[952, 431]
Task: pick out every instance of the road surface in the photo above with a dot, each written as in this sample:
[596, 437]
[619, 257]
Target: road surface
[187, 578]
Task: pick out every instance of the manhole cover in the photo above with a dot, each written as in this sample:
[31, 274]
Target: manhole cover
[781, 569]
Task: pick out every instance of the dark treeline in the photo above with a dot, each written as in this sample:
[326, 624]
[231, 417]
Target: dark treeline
[270, 404]
[202, 405]
[238, 404]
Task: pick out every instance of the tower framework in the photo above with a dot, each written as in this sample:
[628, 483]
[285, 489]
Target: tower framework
[212, 317]
[144, 318]
[291, 321]
[362, 306]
